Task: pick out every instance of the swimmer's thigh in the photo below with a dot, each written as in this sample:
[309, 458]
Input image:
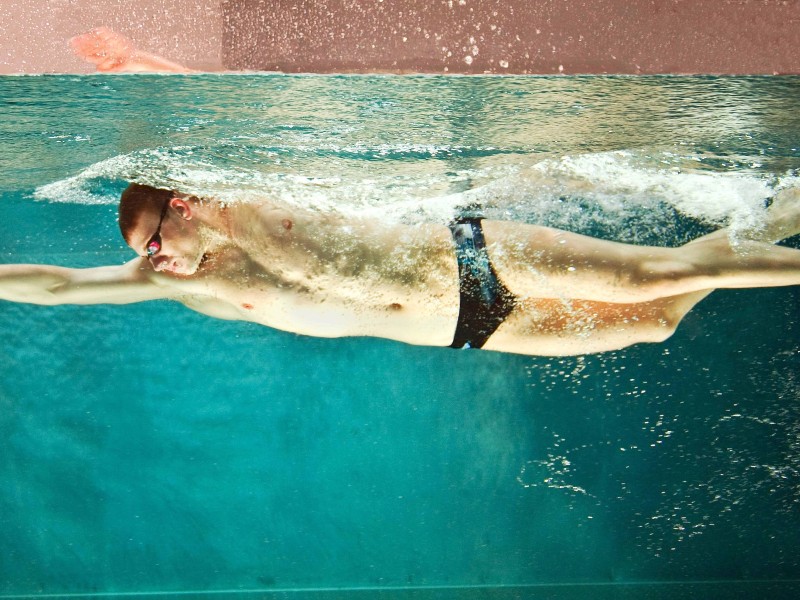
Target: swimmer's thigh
[547, 327]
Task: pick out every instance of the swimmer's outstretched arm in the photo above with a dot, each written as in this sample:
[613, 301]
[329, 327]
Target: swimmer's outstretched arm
[111, 52]
[51, 285]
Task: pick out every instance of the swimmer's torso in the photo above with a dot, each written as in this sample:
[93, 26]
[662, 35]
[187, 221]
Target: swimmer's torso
[329, 276]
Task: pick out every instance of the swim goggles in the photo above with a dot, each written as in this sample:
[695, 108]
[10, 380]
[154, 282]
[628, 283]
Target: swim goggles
[154, 245]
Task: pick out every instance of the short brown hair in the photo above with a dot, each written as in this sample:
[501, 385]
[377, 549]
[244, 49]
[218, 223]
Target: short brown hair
[137, 200]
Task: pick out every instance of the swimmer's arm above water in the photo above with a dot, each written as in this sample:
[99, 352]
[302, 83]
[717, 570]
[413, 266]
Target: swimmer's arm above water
[111, 52]
[50, 285]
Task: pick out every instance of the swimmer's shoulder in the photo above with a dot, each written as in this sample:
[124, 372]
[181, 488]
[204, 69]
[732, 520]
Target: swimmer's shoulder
[253, 225]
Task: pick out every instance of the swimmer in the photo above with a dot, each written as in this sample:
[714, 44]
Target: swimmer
[477, 283]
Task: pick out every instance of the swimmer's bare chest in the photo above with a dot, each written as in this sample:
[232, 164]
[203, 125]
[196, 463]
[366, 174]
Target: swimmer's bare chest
[325, 285]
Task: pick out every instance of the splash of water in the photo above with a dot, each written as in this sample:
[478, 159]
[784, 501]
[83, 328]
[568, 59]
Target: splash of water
[612, 190]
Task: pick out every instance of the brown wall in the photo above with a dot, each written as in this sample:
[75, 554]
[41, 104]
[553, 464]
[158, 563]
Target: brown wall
[514, 36]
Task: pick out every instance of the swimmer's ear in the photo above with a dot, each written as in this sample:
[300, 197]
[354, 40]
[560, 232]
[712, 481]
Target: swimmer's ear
[182, 207]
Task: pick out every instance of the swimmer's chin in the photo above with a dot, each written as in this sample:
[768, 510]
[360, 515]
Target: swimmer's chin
[181, 271]
[195, 268]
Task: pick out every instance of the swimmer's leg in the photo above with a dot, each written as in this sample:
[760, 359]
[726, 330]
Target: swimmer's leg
[566, 328]
[553, 327]
[541, 262]
[782, 221]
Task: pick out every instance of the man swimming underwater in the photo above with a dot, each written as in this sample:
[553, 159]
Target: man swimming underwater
[478, 283]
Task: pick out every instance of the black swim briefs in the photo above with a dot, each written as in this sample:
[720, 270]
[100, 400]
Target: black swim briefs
[485, 301]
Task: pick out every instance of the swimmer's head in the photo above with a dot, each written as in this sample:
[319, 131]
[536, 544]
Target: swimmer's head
[137, 201]
[158, 225]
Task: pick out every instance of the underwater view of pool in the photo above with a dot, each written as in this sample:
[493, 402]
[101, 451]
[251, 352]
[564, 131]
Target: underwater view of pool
[147, 449]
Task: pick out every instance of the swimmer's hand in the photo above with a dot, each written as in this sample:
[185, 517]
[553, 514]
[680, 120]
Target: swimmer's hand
[105, 49]
[111, 52]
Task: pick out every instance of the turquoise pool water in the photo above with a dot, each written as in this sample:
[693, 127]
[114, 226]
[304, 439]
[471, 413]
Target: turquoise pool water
[148, 449]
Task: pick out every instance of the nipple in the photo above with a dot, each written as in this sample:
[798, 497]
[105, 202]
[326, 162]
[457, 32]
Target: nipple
[247, 306]
[395, 306]
[287, 224]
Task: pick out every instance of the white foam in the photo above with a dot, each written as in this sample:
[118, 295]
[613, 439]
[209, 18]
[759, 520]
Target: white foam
[609, 185]
[78, 188]
[713, 196]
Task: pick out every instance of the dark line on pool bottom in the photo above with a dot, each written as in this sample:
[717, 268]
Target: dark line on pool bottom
[420, 588]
